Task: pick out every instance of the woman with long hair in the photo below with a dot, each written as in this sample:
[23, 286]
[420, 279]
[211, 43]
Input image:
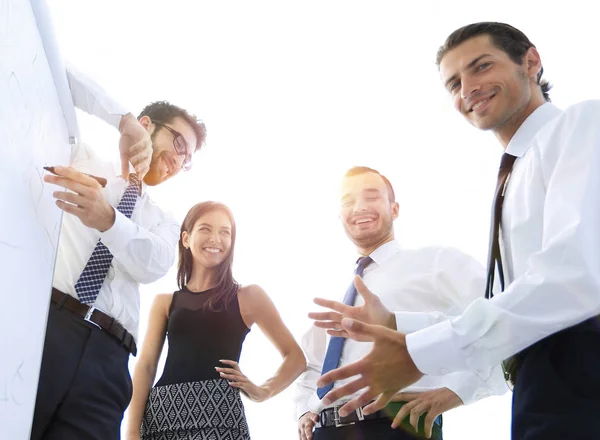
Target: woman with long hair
[205, 321]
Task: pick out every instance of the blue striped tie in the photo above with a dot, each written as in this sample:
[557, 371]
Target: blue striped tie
[336, 343]
[90, 281]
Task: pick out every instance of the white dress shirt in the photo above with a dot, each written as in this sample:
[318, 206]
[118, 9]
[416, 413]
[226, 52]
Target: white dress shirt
[423, 280]
[550, 244]
[143, 247]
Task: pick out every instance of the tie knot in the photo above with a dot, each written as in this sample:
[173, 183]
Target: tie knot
[507, 162]
[361, 264]
[133, 179]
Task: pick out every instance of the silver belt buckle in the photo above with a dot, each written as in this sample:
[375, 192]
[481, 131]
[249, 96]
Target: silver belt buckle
[88, 316]
[350, 419]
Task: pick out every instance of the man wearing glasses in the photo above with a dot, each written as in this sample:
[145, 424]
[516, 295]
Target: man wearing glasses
[112, 239]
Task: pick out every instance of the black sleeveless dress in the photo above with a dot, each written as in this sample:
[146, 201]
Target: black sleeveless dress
[191, 401]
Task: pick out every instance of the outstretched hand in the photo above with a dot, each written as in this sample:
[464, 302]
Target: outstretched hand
[371, 312]
[383, 372]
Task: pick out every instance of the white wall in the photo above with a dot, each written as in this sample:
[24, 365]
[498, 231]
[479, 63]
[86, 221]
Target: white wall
[33, 133]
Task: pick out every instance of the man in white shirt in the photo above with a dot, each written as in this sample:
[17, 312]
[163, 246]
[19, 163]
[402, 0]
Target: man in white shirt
[112, 239]
[433, 279]
[549, 251]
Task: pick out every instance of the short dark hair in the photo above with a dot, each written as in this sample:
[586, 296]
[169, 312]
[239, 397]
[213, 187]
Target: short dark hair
[504, 36]
[165, 112]
[358, 170]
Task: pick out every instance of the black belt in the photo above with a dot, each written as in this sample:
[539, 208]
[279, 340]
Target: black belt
[96, 317]
[331, 417]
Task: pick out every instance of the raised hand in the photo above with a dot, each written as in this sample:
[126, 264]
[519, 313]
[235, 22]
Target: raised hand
[135, 147]
[371, 312]
[383, 372]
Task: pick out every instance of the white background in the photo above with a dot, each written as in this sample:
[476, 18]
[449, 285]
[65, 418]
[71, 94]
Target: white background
[293, 94]
[32, 134]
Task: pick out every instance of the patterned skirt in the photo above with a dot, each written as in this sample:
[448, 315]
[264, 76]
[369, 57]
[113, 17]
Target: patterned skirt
[206, 410]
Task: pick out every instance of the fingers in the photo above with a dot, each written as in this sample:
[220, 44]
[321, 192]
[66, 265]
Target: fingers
[338, 333]
[141, 160]
[141, 173]
[405, 397]
[233, 364]
[71, 209]
[344, 309]
[124, 166]
[70, 173]
[74, 185]
[232, 374]
[429, 421]
[404, 411]
[236, 376]
[416, 413]
[346, 390]
[357, 402]
[328, 325]
[362, 289]
[340, 373]
[359, 331]
[326, 320]
[378, 404]
[69, 197]
[306, 425]
[325, 316]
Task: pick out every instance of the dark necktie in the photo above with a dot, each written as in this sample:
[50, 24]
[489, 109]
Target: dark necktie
[494, 257]
[336, 343]
[90, 281]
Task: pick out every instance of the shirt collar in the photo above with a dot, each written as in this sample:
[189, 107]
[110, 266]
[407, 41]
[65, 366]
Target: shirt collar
[384, 252]
[521, 140]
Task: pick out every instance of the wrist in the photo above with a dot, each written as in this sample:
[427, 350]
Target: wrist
[391, 321]
[124, 119]
[265, 392]
[109, 220]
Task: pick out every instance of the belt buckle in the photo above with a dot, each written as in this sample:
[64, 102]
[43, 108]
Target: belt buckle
[88, 316]
[350, 419]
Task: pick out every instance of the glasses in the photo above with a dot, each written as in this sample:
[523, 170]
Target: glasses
[180, 145]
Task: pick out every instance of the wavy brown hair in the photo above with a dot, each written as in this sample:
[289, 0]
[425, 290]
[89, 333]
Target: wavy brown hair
[226, 287]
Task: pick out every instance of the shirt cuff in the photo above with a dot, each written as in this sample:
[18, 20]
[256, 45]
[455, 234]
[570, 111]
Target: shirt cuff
[315, 404]
[409, 322]
[119, 233]
[467, 386]
[433, 350]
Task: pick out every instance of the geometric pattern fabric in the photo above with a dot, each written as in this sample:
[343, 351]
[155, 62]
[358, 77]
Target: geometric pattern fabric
[205, 410]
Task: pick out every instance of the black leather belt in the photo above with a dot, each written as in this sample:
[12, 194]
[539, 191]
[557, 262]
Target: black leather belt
[96, 317]
[331, 417]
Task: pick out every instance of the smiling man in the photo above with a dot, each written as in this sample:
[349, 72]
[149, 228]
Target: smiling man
[112, 240]
[414, 280]
[545, 245]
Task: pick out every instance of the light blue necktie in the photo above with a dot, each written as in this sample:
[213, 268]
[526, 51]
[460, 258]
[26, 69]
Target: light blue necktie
[336, 343]
[90, 281]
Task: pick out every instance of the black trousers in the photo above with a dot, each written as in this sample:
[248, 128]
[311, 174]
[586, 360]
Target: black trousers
[379, 429]
[557, 390]
[84, 384]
